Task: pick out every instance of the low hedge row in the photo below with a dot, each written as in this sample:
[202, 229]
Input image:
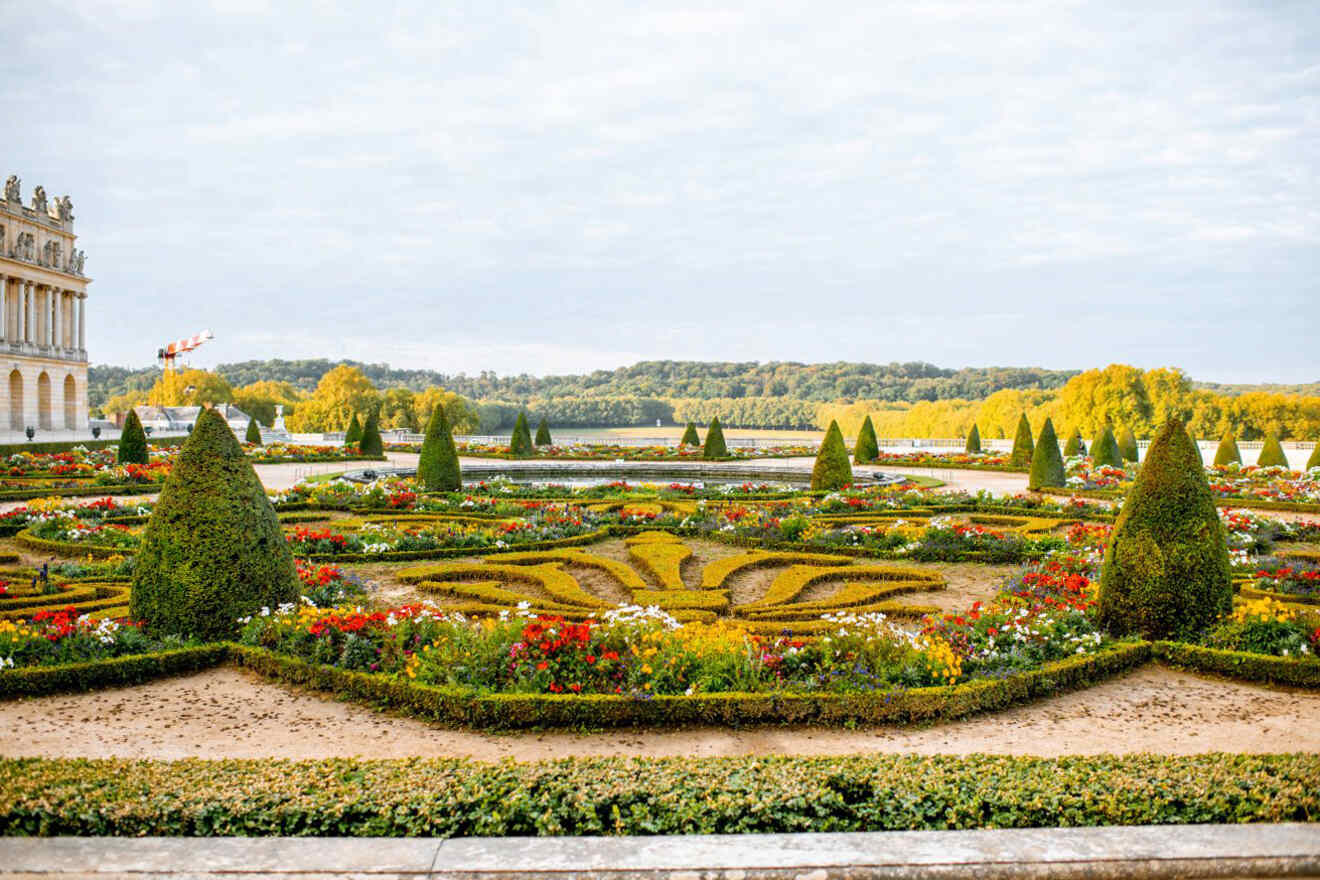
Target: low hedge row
[1294, 671]
[80, 491]
[48, 446]
[457, 552]
[1245, 503]
[69, 548]
[448, 797]
[87, 597]
[455, 706]
[33, 681]
[1253, 593]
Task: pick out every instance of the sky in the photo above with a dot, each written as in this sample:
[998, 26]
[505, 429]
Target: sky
[563, 187]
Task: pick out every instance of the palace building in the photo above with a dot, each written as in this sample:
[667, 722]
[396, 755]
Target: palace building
[43, 325]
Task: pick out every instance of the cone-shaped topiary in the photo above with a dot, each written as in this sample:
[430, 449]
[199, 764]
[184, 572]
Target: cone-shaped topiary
[543, 433]
[715, 446]
[868, 447]
[133, 441]
[213, 550]
[437, 467]
[520, 443]
[1165, 572]
[832, 470]
[1271, 454]
[1023, 445]
[1046, 461]
[1075, 446]
[1104, 449]
[253, 435]
[973, 441]
[1227, 453]
[1314, 461]
[371, 444]
[353, 433]
[1127, 445]
[690, 437]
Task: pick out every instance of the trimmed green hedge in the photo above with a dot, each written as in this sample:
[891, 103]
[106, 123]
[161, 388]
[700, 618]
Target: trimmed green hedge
[75, 491]
[33, 681]
[1246, 503]
[48, 446]
[1253, 593]
[466, 708]
[449, 797]
[1296, 672]
[69, 548]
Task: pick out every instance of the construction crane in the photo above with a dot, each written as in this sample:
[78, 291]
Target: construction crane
[167, 354]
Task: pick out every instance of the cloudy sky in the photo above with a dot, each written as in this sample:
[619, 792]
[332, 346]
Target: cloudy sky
[570, 186]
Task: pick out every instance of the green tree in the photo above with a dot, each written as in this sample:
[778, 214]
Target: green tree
[1104, 449]
[1228, 452]
[868, 447]
[1046, 460]
[973, 446]
[253, 435]
[520, 443]
[690, 437]
[1314, 461]
[831, 470]
[1271, 453]
[1023, 445]
[437, 467]
[353, 433]
[1166, 569]
[213, 550]
[1127, 445]
[543, 433]
[1075, 446]
[715, 446]
[133, 441]
[371, 445]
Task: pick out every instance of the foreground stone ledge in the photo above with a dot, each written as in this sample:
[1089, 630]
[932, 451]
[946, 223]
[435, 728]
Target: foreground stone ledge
[1183, 851]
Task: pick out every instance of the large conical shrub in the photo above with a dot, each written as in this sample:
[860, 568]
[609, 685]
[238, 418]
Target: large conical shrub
[1023, 445]
[832, 470]
[1227, 453]
[690, 437]
[437, 467]
[1046, 461]
[1104, 449]
[715, 446]
[1314, 461]
[371, 444]
[253, 434]
[543, 433]
[973, 441]
[1165, 571]
[213, 550]
[1272, 454]
[353, 433]
[133, 441]
[520, 443]
[868, 447]
[1075, 446]
[1127, 445]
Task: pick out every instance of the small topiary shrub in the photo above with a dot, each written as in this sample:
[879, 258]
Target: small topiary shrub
[973, 441]
[253, 435]
[437, 467]
[1314, 461]
[1075, 446]
[1127, 445]
[1166, 571]
[715, 446]
[1227, 453]
[832, 470]
[1104, 449]
[690, 437]
[1046, 461]
[213, 550]
[520, 443]
[1271, 454]
[371, 444]
[543, 433]
[133, 441]
[1023, 445]
[353, 433]
[868, 447]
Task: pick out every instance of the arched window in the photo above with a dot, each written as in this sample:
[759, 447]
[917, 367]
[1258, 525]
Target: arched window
[43, 402]
[15, 401]
[70, 403]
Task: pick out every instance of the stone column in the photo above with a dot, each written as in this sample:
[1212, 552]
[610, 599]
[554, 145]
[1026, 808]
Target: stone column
[82, 323]
[57, 318]
[25, 312]
[4, 311]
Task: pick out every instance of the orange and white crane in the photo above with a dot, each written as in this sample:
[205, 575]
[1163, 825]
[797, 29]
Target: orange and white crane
[167, 354]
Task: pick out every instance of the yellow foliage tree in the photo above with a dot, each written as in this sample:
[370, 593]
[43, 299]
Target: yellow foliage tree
[190, 388]
[341, 392]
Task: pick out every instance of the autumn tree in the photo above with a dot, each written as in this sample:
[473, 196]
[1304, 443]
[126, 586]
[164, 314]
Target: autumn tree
[341, 393]
[190, 388]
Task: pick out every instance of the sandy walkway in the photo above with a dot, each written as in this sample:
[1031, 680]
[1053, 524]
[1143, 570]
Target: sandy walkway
[230, 713]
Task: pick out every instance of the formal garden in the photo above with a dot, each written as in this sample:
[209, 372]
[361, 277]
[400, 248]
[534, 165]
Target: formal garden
[511, 606]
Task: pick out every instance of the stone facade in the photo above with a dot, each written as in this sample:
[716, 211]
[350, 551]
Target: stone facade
[43, 324]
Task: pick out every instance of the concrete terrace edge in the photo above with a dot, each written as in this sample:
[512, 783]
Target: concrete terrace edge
[1184, 851]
